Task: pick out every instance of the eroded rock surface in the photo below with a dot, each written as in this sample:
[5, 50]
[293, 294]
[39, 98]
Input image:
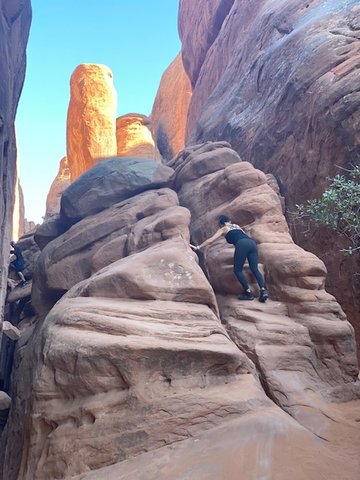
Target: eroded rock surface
[170, 109]
[91, 120]
[101, 239]
[149, 367]
[134, 137]
[279, 81]
[301, 317]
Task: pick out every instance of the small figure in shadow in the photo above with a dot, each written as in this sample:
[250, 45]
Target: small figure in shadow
[18, 263]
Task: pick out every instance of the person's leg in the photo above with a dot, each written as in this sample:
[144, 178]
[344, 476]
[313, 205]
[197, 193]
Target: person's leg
[21, 275]
[253, 259]
[239, 260]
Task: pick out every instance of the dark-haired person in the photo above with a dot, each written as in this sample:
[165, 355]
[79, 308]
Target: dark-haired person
[18, 263]
[245, 249]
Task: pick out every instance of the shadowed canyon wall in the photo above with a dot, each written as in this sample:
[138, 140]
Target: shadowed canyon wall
[280, 82]
[15, 19]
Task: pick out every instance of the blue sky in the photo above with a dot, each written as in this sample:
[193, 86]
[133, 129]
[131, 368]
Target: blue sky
[137, 39]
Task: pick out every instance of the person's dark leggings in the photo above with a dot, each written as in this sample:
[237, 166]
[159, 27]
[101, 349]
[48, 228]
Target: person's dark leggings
[247, 249]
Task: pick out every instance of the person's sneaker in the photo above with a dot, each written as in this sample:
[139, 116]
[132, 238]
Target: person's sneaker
[246, 296]
[263, 295]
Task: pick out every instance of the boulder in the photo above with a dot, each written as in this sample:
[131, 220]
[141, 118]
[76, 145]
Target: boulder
[51, 228]
[110, 182]
[103, 238]
[134, 137]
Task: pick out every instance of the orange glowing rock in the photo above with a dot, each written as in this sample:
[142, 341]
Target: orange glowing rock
[134, 137]
[91, 120]
[170, 109]
[61, 181]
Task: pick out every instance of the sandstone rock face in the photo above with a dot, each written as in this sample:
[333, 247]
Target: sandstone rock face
[109, 182]
[134, 137]
[301, 318]
[18, 218]
[102, 239]
[91, 121]
[149, 367]
[199, 25]
[60, 183]
[279, 81]
[170, 109]
[50, 229]
[15, 19]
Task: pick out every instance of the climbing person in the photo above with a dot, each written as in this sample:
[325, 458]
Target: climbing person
[245, 248]
[18, 263]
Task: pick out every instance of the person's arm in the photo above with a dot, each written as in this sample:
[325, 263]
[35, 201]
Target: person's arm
[218, 234]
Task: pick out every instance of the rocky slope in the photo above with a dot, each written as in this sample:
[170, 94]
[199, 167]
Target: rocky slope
[146, 359]
[279, 81]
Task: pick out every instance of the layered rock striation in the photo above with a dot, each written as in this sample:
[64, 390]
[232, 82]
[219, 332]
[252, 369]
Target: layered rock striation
[279, 81]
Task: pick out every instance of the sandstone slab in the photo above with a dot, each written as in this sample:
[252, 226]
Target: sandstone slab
[267, 443]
